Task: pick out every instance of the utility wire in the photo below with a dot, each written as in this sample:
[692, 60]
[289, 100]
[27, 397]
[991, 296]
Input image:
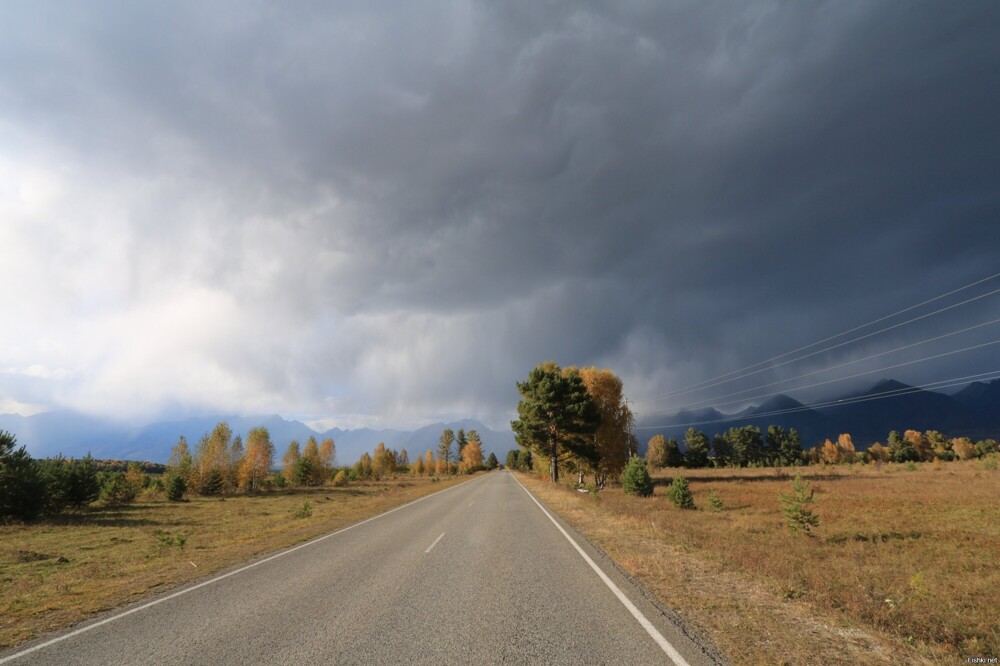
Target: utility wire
[890, 367]
[714, 381]
[944, 383]
[713, 401]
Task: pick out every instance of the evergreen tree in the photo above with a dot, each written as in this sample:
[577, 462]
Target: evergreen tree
[674, 456]
[636, 479]
[723, 452]
[460, 442]
[747, 445]
[492, 462]
[901, 449]
[696, 443]
[557, 417]
[444, 445]
[22, 488]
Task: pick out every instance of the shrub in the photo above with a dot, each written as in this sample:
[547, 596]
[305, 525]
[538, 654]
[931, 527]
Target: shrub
[341, 479]
[796, 507]
[176, 487]
[212, 483]
[679, 493]
[279, 480]
[715, 502]
[635, 478]
[117, 490]
[304, 511]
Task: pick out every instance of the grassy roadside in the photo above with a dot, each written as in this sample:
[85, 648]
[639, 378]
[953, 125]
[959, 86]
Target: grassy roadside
[56, 573]
[902, 568]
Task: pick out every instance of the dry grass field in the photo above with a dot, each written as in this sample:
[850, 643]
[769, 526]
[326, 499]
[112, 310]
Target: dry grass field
[902, 569]
[58, 572]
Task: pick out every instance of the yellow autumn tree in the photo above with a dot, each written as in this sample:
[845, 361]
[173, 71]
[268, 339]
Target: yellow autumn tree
[472, 457]
[829, 453]
[614, 440]
[257, 460]
[964, 448]
[430, 464]
[846, 446]
[925, 451]
[327, 456]
[213, 459]
[383, 462]
[656, 452]
[878, 452]
[418, 467]
[315, 472]
[290, 460]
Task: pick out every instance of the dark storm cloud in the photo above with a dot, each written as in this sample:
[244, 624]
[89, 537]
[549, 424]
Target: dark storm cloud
[435, 198]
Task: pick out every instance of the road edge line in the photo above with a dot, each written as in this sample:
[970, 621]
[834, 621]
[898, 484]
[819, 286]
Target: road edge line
[653, 632]
[204, 583]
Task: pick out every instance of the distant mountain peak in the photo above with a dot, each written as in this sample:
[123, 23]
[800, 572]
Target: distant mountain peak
[777, 403]
[884, 385]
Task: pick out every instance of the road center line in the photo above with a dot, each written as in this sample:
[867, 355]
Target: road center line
[431, 547]
[654, 633]
[154, 602]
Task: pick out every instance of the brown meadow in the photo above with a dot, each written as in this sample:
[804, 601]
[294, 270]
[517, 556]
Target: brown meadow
[903, 567]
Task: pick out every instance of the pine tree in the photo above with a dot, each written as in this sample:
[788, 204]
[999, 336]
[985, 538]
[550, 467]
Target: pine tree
[460, 442]
[636, 479]
[796, 507]
[444, 445]
[696, 443]
[557, 417]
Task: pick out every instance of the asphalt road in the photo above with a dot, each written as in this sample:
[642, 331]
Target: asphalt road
[478, 573]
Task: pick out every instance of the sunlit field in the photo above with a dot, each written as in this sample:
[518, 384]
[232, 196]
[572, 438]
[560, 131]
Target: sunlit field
[902, 568]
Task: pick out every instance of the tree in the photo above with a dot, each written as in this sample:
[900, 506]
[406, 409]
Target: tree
[656, 452]
[180, 460]
[327, 457]
[363, 468]
[460, 442]
[403, 461]
[214, 454]
[316, 473]
[290, 460]
[696, 443]
[257, 461]
[418, 467]
[429, 463]
[675, 458]
[796, 507]
[900, 449]
[830, 453]
[84, 486]
[117, 490]
[636, 479]
[613, 439]
[679, 493]
[22, 489]
[878, 453]
[175, 488]
[723, 452]
[557, 417]
[964, 448]
[746, 443]
[445, 441]
[237, 452]
[510, 462]
[383, 462]
[492, 462]
[920, 444]
[783, 447]
[472, 457]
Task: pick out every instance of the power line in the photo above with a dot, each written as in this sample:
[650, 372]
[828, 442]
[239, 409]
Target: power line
[713, 401]
[708, 383]
[898, 365]
[944, 383]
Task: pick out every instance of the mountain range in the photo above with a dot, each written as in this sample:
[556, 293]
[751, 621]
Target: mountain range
[74, 435]
[868, 416]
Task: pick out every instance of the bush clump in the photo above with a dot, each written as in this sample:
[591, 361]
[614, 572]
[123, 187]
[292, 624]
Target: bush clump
[796, 507]
[636, 479]
[176, 487]
[679, 493]
[341, 479]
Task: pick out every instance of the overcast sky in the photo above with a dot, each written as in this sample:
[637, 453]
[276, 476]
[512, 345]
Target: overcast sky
[386, 214]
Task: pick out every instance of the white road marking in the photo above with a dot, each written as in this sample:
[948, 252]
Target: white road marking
[179, 593]
[654, 633]
[431, 547]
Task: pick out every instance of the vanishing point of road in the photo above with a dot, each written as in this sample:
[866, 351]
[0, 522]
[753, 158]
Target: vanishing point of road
[480, 573]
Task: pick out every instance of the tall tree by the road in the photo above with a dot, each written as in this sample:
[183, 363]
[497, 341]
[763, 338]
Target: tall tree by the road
[311, 471]
[460, 441]
[613, 439]
[444, 445]
[557, 417]
[473, 436]
[257, 460]
[492, 462]
[429, 462]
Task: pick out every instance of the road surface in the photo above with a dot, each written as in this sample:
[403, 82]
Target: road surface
[477, 573]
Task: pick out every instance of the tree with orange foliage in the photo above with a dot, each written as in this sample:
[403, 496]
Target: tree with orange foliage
[429, 462]
[878, 453]
[327, 456]
[257, 460]
[472, 457]
[613, 439]
[846, 446]
[923, 447]
[964, 448]
[830, 453]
